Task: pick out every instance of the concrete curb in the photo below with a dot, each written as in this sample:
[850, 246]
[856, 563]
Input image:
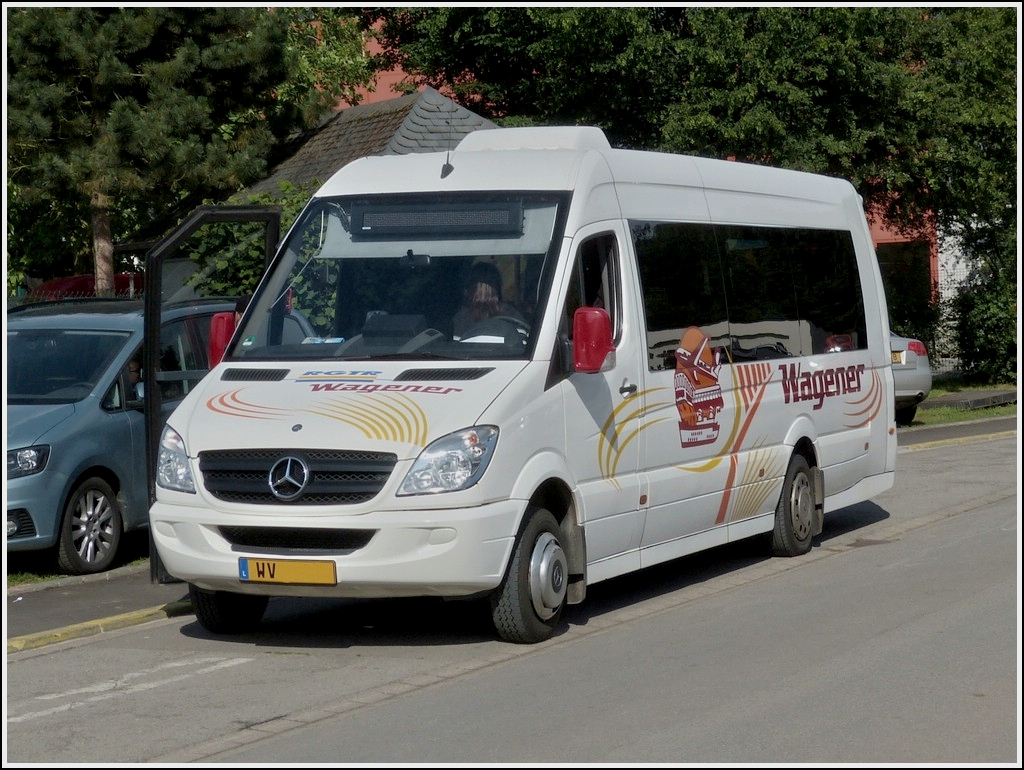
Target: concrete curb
[74, 580]
[971, 401]
[94, 627]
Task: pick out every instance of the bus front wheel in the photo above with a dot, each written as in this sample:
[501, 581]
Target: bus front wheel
[527, 606]
[221, 612]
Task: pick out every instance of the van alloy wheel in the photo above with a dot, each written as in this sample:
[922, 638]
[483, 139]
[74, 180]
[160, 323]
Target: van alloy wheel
[90, 530]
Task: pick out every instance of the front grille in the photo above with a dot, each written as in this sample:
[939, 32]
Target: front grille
[336, 477]
[279, 538]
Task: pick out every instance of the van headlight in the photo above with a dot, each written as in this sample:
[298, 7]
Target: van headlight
[25, 462]
[172, 468]
[453, 462]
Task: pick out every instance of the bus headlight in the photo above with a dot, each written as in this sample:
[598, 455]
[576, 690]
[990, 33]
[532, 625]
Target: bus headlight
[453, 462]
[172, 468]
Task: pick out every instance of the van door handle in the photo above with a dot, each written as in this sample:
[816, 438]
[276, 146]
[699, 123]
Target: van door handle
[626, 389]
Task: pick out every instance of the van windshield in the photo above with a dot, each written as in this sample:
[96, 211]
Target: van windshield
[408, 276]
[58, 366]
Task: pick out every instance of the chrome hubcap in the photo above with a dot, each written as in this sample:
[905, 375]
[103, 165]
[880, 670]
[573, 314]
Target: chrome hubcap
[801, 506]
[548, 571]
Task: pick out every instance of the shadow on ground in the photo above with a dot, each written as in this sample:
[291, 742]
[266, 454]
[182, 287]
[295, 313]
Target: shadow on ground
[43, 564]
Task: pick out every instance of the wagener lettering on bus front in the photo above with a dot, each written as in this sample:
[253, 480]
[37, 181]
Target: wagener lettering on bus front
[339, 387]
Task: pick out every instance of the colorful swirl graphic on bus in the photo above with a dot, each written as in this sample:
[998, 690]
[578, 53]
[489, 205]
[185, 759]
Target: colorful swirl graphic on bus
[378, 416]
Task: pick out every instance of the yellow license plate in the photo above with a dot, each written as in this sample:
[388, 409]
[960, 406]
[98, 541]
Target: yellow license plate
[897, 357]
[286, 571]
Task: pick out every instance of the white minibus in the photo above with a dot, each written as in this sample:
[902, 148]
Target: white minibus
[536, 363]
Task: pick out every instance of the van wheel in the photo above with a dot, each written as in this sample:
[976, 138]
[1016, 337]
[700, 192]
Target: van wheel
[90, 529]
[794, 515]
[528, 604]
[221, 612]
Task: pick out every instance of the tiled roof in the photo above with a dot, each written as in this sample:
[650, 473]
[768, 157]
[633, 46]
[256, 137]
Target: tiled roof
[422, 122]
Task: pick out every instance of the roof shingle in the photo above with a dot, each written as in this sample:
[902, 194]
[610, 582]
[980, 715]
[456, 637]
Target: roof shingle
[422, 122]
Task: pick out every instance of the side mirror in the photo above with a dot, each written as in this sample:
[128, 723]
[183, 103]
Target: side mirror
[593, 350]
[222, 326]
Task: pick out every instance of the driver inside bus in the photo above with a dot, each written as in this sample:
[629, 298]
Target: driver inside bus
[481, 299]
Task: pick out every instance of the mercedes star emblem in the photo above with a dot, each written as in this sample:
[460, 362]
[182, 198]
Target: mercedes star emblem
[288, 478]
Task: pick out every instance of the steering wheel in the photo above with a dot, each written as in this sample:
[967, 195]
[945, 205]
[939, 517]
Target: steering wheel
[519, 323]
[487, 327]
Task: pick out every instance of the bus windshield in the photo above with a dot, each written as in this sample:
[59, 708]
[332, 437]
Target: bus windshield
[408, 276]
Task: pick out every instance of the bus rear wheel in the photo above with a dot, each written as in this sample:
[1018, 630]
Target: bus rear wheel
[794, 515]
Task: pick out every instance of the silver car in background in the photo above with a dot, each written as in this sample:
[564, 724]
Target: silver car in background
[912, 376]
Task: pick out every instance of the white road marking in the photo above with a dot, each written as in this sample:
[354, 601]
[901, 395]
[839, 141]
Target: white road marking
[119, 687]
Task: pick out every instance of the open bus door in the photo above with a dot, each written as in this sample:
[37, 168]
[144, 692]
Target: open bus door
[178, 268]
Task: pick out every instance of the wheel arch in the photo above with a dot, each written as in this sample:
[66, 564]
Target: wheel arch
[544, 483]
[133, 507]
[104, 472]
[554, 495]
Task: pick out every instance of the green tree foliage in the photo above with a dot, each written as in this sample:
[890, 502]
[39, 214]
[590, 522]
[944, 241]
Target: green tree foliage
[817, 89]
[971, 76]
[611, 67]
[327, 61]
[968, 92]
[140, 113]
[230, 257]
[986, 323]
[58, 247]
[111, 103]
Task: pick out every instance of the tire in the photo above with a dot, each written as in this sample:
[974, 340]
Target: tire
[221, 612]
[794, 515]
[90, 529]
[905, 415]
[527, 607]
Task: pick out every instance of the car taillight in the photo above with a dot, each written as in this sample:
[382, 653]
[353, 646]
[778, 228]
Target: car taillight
[916, 346]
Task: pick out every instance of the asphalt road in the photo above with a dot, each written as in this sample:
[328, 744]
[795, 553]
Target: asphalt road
[43, 613]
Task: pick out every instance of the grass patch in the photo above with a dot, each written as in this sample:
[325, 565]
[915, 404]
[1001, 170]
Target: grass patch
[951, 384]
[944, 415]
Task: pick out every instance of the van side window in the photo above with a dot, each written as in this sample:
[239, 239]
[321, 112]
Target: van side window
[755, 292]
[594, 280]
